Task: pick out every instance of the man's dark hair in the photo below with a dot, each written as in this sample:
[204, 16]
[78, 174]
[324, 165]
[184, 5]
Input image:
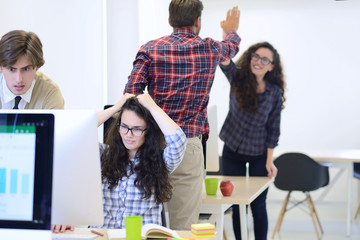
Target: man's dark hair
[18, 43]
[183, 13]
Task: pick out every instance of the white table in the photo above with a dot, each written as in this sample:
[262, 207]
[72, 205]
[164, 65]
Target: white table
[343, 158]
[87, 231]
[246, 190]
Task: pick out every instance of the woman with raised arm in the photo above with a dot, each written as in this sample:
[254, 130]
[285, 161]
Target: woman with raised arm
[142, 147]
[252, 127]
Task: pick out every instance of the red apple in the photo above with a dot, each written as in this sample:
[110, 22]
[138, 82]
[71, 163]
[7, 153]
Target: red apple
[226, 187]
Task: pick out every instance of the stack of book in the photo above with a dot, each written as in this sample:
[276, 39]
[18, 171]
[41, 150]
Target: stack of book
[203, 230]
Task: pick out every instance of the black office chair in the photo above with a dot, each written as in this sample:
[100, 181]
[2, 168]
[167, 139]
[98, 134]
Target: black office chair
[107, 123]
[299, 172]
[357, 175]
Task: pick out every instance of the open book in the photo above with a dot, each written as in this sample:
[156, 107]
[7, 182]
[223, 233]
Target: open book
[147, 231]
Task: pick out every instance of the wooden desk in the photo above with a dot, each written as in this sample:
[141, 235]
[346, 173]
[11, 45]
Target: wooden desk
[342, 158]
[246, 190]
[105, 237]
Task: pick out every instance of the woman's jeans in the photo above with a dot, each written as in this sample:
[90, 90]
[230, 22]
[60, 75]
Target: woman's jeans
[234, 164]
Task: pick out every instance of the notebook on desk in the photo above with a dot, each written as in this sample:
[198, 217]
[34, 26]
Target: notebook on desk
[26, 159]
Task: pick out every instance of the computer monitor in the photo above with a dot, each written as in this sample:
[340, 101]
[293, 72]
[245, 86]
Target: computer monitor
[26, 161]
[77, 192]
[76, 178]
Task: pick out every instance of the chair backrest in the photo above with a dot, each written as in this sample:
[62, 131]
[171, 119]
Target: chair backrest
[357, 170]
[107, 123]
[299, 172]
[163, 216]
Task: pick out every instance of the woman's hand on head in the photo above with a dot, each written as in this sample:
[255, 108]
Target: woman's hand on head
[61, 228]
[147, 101]
[108, 113]
[123, 99]
[166, 124]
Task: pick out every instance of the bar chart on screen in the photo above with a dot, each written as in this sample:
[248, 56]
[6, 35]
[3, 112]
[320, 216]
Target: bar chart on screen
[17, 163]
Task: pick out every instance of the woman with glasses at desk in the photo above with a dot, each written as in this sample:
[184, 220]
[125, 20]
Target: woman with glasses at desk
[252, 127]
[142, 147]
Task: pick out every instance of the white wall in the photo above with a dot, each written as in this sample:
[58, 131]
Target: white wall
[317, 39]
[318, 43]
[123, 43]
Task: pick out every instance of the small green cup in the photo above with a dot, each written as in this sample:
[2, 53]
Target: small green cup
[211, 185]
[133, 227]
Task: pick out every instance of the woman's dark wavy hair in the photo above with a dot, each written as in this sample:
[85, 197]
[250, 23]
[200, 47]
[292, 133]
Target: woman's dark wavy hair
[152, 172]
[244, 87]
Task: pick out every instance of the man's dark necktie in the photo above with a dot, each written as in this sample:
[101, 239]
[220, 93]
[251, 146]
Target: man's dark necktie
[17, 100]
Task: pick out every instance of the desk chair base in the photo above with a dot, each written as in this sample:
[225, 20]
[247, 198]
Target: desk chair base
[313, 214]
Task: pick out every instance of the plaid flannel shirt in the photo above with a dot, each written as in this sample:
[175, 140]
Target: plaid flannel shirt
[252, 133]
[179, 71]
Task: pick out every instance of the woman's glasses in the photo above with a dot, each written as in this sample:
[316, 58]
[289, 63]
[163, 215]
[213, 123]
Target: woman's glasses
[137, 132]
[264, 60]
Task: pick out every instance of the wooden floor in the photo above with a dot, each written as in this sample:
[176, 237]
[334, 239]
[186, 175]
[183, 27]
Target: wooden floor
[298, 225]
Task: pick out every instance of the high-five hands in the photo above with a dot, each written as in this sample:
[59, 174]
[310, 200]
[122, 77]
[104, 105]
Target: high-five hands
[232, 20]
[123, 99]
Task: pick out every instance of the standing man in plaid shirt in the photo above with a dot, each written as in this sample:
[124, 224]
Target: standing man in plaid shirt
[178, 71]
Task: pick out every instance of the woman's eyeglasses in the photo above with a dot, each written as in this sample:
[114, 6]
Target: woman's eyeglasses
[264, 60]
[137, 132]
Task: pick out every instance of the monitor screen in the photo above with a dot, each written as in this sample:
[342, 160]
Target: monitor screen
[26, 159]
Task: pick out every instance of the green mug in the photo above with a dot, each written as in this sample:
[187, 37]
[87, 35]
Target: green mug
[133, 227]
[211, 185]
